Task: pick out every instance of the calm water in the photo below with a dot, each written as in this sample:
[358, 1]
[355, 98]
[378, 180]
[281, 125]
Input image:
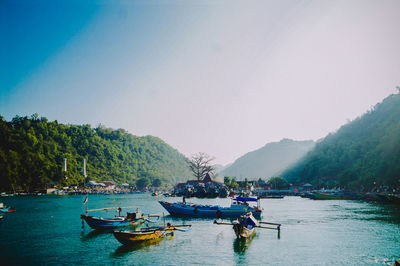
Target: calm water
[47, 230]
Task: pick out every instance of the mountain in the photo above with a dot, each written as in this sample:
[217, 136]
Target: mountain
[362, 152]
[32, 151]
[269, 160]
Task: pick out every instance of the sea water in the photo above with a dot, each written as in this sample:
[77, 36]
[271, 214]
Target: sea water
[47, 230]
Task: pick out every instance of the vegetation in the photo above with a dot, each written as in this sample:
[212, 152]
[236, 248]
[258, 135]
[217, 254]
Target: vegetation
[200, 165]
[32, 151]
[231, 182]
[277, 183]
[269, 160]
[362, 154]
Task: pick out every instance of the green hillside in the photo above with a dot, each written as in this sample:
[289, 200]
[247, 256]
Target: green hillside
[269, 160]
[362, 152]
[32, 152]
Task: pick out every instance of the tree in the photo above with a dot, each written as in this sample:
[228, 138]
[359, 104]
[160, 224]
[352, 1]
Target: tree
[142, 182]
[227, 180]
[157, 182]
[246, 183]
[200, 165]
[277, 183]
[234, 184]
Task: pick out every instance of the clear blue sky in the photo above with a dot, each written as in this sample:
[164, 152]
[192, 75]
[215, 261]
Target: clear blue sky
[221, 77]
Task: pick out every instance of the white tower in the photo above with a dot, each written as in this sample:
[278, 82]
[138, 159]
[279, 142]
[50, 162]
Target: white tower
[84, 168]
[65, 165]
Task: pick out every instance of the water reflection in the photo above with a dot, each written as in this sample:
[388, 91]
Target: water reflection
[93, 234]
[240, 246]
[143, 246]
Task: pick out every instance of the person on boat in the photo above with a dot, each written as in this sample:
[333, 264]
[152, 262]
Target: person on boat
[184, 199]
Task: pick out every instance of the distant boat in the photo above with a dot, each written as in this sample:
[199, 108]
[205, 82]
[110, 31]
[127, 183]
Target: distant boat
[272, 197]
[238, 207]
[5, 208]
[130, 238]
[99, 223]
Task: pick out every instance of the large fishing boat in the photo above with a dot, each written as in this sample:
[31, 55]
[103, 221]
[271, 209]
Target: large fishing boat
[239, 206]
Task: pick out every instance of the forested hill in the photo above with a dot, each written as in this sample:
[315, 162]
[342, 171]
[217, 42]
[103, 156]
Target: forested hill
[269, 160]
[32, 151]
[362, 152]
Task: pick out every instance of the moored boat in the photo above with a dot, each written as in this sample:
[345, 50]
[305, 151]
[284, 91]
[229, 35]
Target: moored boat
[238, 207]
[244, 226]
[5, 208]
[130, 238]
[132, 218]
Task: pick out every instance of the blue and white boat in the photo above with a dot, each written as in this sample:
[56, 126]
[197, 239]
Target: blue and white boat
[239, 206]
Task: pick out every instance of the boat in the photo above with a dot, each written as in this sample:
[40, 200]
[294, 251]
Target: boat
[146, 234]
[132, 218]
[333, 195]
[245, 225]
[239, 206]
[272, 197]
[5, 208]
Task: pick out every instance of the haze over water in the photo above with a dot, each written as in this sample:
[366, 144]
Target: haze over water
[47, 230]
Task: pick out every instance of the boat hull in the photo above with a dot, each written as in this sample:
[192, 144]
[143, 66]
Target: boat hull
[130, 238]
[100, 223]
[242, 231]
[7, 209]
[212, 212]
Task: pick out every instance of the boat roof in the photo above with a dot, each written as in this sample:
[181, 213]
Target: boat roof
[245, 199]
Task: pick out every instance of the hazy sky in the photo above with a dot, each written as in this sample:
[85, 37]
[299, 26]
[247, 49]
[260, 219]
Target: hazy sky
[221, 77]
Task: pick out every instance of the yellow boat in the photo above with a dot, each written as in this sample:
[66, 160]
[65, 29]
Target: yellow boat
[129, 238]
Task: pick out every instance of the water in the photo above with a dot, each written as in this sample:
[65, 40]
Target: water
[47, 230]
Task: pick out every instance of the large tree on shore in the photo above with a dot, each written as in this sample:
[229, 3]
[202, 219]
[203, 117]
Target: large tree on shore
[200, 165]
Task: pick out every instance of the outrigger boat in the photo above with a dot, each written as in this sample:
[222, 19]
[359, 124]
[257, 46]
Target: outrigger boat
[5, 208]
[132, 218]
[245, 225]
[238, 207]
[146, 234]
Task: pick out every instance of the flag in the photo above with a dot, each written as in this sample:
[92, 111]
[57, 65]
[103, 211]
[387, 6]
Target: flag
[86, 199]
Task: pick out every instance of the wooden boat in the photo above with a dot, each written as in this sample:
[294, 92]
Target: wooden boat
[245, 225]
[132, 218]
[238, 207]
[5, 208]
[129, 238]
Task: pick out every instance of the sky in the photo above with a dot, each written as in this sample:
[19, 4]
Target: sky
[220, 77]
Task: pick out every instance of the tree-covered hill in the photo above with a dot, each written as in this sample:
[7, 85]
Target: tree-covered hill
[32, 151]
[269, 160]
[362, 152]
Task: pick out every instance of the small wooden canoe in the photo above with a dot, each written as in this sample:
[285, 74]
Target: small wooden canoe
[129, 238]
[242, 231]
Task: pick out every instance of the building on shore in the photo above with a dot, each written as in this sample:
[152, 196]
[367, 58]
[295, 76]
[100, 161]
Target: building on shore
[207, 187]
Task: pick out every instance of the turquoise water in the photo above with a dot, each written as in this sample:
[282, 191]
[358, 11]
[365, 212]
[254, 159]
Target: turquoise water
[47, 230]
